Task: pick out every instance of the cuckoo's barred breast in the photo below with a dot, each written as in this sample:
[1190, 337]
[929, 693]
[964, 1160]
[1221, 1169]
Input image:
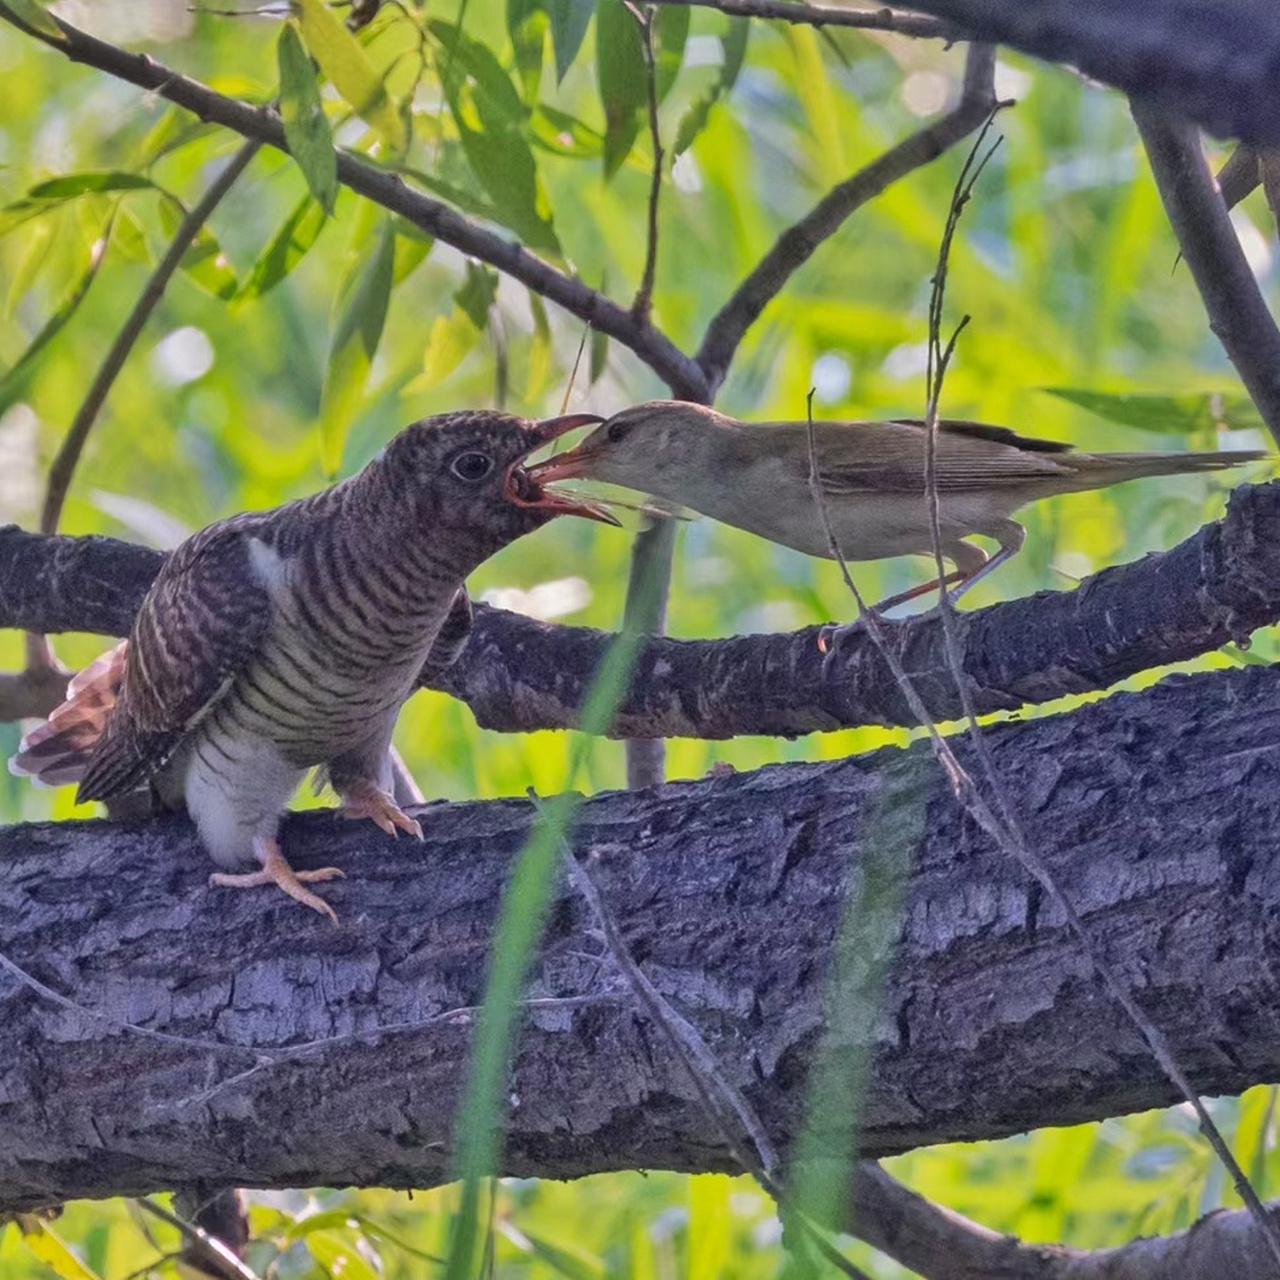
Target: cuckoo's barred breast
[280, 640]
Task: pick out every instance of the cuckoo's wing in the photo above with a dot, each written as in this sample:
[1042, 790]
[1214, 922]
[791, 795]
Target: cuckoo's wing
[198, 628]
[890, 457]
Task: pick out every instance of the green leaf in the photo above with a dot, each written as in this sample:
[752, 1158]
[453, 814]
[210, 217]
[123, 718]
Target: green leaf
[709, 1219]
[286, 249]
[694, 120]
[599, 355]
[451, 340]
[670, 31]
[623, 80]
[306, 127]
[565, 1259]
[345, 62]
[540, 350]
[412, 247]
[33, 259]
[477, 293]
[491, 123]
[569, 22]
[527, 25]
[362, 312]
[172, 131]
[28, 13]
[1169, 415]
[563, 134]
[339, 1257]
[49, 1247]
[204, 262]
[77, 184]
[14, 381]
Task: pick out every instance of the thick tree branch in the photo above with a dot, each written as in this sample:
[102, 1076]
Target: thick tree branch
[1237, 311]
[387, 189]
[518, 675]
[344, 1048]
[798, 243]
[1216, 63]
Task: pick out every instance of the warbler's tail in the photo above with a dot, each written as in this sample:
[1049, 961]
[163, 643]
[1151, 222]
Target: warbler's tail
[1096, 470]
[57, 751]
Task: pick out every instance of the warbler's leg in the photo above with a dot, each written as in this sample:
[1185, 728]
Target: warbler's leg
[364, 798]
[275, 870]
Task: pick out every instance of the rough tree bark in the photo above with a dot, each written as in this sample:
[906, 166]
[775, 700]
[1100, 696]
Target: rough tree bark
[316, 1054]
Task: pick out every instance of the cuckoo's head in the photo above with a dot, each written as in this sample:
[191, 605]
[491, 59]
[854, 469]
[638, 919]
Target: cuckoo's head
[463, 476]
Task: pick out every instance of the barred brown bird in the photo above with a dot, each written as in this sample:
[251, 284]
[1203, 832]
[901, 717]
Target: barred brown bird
[279, 640]
[871, 475]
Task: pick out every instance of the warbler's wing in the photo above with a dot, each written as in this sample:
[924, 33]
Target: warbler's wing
[889, 457]
[198, 627]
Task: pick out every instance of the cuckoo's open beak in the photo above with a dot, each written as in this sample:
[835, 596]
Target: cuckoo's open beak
[524, 490]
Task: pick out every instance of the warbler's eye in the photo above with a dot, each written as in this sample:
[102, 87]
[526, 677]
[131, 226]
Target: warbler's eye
[617, 430]
[471, 466]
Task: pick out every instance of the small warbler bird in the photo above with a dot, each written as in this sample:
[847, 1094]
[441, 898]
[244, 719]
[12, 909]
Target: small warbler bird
[870, 475]
[275, 641]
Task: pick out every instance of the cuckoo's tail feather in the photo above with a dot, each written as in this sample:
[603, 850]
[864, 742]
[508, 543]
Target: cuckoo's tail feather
[58, 750]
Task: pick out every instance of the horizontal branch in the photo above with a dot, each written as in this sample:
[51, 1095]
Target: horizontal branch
[387, 189]
[169, 1033]
[518, 675]
[1215, 63]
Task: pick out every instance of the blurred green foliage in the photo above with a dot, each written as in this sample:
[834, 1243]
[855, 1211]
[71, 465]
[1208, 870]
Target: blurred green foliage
[293, 344]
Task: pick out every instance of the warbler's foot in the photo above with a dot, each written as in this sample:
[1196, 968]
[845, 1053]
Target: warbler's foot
[275, 870]
[365, 799]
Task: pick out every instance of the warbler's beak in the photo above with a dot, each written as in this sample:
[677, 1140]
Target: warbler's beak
[565, 466]
[524, 489]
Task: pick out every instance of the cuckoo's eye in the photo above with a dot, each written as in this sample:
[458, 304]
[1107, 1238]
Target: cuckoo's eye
[616, 431]
[471, 466]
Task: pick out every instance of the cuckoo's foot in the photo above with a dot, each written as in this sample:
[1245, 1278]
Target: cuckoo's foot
[275, 870]
[365, 799]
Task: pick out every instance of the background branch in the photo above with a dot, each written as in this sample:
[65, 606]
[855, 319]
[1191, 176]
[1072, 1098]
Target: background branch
[389, 191]
[818, 15]
[798, 243]
[1237, 312]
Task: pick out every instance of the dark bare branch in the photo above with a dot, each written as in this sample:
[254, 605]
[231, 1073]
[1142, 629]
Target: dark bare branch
[1237, 311]
[1215, 63]
[387, 189]
[798, 243]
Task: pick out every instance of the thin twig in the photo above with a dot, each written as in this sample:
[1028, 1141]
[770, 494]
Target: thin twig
[387, 189]
[211, 1250]
[64, 464]
[642, 307]
[817, 15]
[1238, 314]
[797, 244]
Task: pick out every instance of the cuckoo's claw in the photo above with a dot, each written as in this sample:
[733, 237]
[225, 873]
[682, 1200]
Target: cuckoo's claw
[368, 800]
[275, 870]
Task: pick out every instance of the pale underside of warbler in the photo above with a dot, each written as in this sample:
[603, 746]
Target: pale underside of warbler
[871, 476]
[276, 641]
